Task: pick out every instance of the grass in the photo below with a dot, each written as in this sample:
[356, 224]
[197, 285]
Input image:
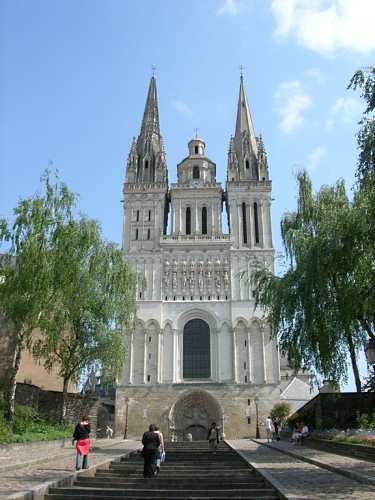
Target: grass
[29, 426]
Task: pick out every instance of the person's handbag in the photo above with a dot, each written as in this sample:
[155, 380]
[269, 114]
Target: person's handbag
[162, 457]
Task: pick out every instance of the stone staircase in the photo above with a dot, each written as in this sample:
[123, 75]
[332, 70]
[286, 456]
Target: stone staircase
[190, 472]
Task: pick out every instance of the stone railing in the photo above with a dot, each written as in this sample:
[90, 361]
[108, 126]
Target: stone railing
[195, 237]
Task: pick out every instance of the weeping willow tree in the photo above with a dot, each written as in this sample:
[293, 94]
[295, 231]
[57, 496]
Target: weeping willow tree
[323, 307]
[312, 306]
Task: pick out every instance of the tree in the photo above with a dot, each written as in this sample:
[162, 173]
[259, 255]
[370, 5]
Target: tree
[280, 412]
[61, 278]
[94, 305]
[323, 307]
[313, 306]
[26, 291]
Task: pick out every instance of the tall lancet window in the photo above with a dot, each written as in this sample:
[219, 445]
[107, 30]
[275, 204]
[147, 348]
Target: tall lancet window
[195, 172]
[188, 220]
[256, 222]
[244, 223]
[204, 220]
[196, 349]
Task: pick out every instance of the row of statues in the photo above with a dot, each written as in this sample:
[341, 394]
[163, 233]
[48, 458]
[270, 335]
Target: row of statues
[189, 275]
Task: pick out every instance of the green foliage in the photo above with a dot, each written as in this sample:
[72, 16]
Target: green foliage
[28, 425]
[64, 279]
[281, 412]
[366, 421]
[323, 307]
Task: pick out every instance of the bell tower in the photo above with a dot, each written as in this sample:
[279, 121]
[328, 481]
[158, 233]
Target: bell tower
[146, 185]
[248, 183]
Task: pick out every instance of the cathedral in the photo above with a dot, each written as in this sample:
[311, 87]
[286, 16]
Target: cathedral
[200, 352]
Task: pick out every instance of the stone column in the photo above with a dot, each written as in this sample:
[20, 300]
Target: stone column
[174, 356]
[263, 355]
[145, 357]
[196, 218]
[249, 357]
[235, 369]
[160, 357]
[131, 360]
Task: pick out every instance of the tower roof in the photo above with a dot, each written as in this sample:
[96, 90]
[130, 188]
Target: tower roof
[244, 122]
[150, 122]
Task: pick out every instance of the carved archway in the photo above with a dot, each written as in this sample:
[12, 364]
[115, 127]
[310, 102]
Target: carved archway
[192, 414]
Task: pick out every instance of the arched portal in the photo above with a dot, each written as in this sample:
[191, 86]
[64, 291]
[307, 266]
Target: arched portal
[196, 350]
[192, 414]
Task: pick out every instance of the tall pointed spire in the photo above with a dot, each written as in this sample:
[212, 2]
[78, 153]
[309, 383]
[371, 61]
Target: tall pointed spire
[244, 123]
[150, 122]
[146, 161]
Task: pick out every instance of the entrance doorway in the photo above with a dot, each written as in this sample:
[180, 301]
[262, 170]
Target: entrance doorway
[193, 414]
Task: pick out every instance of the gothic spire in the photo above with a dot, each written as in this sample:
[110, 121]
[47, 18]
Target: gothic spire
[244, 123]
[150, 122]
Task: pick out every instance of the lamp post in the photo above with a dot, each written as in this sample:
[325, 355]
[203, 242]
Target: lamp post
[126, 417]
[370, 353]
[256, 401]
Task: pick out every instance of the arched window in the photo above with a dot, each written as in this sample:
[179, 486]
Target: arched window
[204, 220]
[188, 220]
[244, 223]
[137, 215]
[196, 350]
[196, 150]
[149, 215]
[195, 172]
[247, 164]
[256, 223]
[146, 164]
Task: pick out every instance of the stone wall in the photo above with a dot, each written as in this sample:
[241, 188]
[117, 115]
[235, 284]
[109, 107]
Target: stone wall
[48, 404]
[153, 405]
[336, 410]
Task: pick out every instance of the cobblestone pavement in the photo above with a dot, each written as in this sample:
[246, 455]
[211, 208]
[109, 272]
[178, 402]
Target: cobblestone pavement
[301, 480]
[29, 477]
[360, 467]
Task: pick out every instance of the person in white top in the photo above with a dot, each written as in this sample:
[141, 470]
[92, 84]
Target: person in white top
[268, 425]
[161, 452]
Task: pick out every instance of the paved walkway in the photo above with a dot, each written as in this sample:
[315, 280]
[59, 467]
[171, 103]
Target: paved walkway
[32, 477]
[296, 479]
[362, 470]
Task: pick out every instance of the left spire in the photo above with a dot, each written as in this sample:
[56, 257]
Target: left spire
[150, 122]
[146, 161]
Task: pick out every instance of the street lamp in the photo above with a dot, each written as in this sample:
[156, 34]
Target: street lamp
[256, 401]
[126, 417]
[370, 353]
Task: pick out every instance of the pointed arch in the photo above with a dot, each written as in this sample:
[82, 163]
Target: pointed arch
[204, 220]
[188, 220]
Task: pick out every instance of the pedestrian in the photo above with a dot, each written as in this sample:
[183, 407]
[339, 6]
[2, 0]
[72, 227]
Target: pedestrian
[276, 428]
[268, 426]
[151, 443]
[81, 435]
[161, 451]
[213, 437]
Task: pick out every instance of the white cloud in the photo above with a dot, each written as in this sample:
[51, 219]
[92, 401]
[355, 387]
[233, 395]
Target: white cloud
[315, 75]
[315, 157]
[326, 26]
[230, 7]
[291, 103]
[182, 107]
[344, 110]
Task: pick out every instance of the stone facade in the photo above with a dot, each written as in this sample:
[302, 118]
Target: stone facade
[200, 351]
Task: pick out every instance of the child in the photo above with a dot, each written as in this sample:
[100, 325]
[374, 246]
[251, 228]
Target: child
[81, 435]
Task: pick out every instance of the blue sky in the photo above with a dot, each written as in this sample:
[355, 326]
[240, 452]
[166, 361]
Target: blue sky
[75, 75]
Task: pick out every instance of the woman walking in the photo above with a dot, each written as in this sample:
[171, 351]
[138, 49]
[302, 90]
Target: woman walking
[161, 452]
[213, 437]
[81, 435]
[151, 443]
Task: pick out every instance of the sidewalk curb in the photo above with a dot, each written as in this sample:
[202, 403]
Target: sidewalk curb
[67, 452]
[280, 490]
[332, 468]
[39, 492]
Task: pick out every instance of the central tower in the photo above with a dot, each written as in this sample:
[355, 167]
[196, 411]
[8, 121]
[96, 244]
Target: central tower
[200, 351]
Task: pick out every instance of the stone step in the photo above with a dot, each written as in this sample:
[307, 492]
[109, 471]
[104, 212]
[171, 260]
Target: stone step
[165, 493]
[164, 484]
[89, 496]
[195, 475]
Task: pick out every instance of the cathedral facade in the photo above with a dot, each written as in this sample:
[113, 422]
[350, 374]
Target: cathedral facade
[200, 352]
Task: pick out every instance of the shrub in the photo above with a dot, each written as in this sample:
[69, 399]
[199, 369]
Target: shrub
[281, 412]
